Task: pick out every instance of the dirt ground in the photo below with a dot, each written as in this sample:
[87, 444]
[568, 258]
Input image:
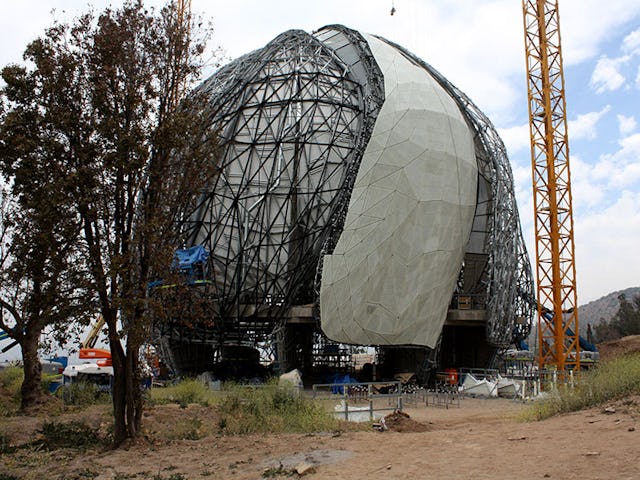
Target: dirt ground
[480, 439]
[620, 347]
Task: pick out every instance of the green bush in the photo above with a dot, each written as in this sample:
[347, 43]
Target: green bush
[48, 379]
[610, 380]
[11, 380]
[5, 444]
[73, 434]
[10, 384]
[189, 428]
[6, 476]
[270, 408]
[183, 393]
[82, 394]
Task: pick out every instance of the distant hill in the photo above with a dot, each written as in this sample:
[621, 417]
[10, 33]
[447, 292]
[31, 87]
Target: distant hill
[603, 308]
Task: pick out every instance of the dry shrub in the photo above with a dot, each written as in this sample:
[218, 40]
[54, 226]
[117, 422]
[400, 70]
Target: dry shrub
[273, 409]
[610, 380]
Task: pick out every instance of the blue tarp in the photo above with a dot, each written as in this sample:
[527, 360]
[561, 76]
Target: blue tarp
[338, 378]
[192, 262]
[189, 257]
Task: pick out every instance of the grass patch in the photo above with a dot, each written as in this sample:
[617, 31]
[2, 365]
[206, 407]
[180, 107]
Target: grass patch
[10, 384]
[611, 380]
[272, 409]
[189, 428]
[82, 394]
[5, 444]
[73, 434]
[184, 393]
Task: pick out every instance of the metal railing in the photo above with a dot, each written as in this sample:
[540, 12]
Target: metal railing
[350, 394]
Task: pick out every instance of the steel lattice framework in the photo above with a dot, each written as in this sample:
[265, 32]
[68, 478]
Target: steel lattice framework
[507, 279]
[557, 299]
[293, 121]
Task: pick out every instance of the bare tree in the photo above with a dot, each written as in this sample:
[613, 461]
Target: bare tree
[136, 157]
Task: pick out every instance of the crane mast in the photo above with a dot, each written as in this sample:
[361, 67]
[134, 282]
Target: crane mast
[558, 339]
[183, 30]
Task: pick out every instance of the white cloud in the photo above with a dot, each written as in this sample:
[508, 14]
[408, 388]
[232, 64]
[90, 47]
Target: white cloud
[516, 138]
[620, 169]
[626, 124]
[631, 43]
[585, 24]
[606, 76]
[606, 242]
[584, 126]
[586, 192]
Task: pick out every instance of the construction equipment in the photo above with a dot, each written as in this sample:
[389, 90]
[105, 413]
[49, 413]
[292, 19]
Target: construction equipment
[87, 347]
[556, 284]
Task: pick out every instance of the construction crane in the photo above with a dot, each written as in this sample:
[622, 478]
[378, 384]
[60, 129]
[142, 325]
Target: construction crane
[183, 28]
[87, 347]
[558, 339]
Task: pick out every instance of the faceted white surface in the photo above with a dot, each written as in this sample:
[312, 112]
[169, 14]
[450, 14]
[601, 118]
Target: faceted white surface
[390, 278]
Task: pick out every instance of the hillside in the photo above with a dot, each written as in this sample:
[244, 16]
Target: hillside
[603, 308]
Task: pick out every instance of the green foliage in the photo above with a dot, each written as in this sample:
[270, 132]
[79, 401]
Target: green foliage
[5, 444]
[5, 476]
[270, 408]
[187, 429]
[183, 393]
[625, 322]
[627, 319]
[94, 133]
[47, 379]
[11, 379]
[10, 383]
[73, 434]
[611, 380]
[82, 394]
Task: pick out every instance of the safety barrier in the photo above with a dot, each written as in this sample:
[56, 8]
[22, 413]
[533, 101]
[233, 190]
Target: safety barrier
[352, 394]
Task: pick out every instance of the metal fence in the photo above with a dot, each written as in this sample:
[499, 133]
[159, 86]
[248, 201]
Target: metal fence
[353, 395]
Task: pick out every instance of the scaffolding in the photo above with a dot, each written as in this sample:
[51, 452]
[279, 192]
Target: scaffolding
[293, 120]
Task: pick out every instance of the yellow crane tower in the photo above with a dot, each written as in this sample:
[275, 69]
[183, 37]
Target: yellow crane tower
[183, 26]
[558, 339]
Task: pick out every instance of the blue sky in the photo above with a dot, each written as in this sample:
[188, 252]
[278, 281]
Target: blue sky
[479, 46]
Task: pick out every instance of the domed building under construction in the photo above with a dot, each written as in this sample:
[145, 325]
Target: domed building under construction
[362, 200]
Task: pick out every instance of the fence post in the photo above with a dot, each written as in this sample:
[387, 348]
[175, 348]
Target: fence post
[370, 395]
[345, 396]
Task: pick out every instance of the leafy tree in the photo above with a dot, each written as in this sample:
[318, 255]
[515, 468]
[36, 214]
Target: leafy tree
[109, 91]
[605, 332]
[627, 319]
[625, 322]
[40, 279]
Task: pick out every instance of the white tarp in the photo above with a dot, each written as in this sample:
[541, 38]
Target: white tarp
[482, 388]
[507, 387]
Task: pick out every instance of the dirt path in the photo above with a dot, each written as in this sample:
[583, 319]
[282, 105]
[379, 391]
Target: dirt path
[481, 439]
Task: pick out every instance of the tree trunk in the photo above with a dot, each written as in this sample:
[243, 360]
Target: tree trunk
[31, 389]
[126, 394]
[118, 390]
[134, 394]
